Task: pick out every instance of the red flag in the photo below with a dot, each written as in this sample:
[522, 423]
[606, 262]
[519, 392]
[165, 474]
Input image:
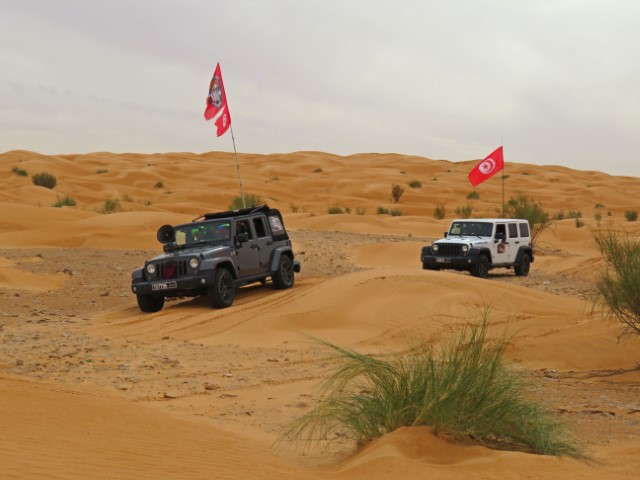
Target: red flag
[217, 103]
[487, 168]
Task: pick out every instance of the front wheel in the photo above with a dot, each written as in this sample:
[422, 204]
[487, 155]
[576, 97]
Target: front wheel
[522, 269]
[150, 303]
[223, 290]
[481, 269]
[284, 276]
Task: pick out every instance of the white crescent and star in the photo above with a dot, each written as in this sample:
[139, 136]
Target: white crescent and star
[487, 166]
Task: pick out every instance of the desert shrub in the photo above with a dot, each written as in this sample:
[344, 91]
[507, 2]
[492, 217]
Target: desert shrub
[394, 212]
[250, 200]
[598, 218]
[396, 193]
[19, 171]
[415, 184]
[44, 179]
[111, 205]
[361, 210]
[463, 389]
[522, 206]
[631, 215]
[101, 171]
[560, 215]
[599, 205]
[473, 195]
[318, 170]
[294, 208]
[383, 211]
[574, 214]
[464, 211]
[579, 223]
[440, 211]
[65, 201]
[335, 211]
[618, 287]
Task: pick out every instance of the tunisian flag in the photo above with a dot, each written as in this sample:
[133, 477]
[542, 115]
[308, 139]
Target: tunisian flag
[487, 168]
[217, 103]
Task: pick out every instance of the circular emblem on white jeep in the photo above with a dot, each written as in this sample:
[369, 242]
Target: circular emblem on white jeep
[487, 166]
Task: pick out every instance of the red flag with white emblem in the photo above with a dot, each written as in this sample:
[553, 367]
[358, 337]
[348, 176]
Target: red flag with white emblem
[487, 168]
[217, 103]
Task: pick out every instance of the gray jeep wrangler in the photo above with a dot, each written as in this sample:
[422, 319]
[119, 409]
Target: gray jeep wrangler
[481, 244]
[214, 254]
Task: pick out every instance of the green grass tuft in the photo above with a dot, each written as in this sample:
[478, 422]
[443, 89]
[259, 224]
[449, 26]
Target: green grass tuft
[44, 179]
[65, 201]
[462, 389]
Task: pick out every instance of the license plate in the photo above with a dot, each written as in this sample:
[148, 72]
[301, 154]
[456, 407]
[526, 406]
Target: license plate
[443, 260]
[163, 285]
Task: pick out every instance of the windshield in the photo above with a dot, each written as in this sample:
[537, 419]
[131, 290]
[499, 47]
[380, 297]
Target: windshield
[203, 232]
[470, 228]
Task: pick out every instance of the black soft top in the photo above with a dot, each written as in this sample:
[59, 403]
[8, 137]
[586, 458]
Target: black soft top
[277, 228]
[238, 213]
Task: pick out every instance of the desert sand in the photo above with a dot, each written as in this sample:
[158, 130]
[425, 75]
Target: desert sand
[92, 388]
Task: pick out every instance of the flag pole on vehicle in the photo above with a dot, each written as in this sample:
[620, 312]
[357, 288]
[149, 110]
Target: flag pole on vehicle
[217, 108]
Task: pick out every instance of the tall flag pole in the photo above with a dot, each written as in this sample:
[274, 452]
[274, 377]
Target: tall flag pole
[487, 168]
[502, 146]
[217, 108]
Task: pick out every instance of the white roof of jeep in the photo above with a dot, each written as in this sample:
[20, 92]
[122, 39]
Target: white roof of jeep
[491, 220]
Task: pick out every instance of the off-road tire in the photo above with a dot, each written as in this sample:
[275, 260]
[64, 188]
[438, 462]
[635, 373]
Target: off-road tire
[150, 303]
[284, 275]
[223, 290]
[522, 269]
[481, 269]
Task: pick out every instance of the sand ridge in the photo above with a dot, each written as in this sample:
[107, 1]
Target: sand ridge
[91, 387]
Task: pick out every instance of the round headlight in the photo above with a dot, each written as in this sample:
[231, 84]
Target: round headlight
[151, 269]
[465, 248]
[193, 263]
[434, 247]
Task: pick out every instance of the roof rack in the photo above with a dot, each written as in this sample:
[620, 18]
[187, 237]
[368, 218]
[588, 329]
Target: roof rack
[233, 213]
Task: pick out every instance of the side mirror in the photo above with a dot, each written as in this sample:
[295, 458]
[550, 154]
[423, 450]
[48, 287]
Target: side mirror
[243, 237]
[500, 236]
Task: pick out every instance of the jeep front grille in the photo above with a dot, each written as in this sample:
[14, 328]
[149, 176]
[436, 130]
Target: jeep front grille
[169, 270]
[449, 250]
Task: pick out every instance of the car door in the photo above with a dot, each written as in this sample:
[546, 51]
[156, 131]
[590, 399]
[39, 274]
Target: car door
[262, 243]
[514, 241]
[500, 251]
[246, 259]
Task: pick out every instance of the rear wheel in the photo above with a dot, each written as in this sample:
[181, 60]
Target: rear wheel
[150, 303]
[223, 290]
[522, 269]
[481, 269]
[284, 276]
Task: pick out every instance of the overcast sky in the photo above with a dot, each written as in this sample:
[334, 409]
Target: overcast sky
[557, 82]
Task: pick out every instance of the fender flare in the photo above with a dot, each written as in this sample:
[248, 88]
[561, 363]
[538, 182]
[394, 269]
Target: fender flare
[521, 251]
[275, 258]
[210, 265]
[476, 252]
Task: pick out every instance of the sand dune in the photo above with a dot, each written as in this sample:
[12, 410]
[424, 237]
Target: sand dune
[92, 388]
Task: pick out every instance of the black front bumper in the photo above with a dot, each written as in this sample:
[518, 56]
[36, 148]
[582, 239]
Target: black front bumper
[175, 287]
[461, 262]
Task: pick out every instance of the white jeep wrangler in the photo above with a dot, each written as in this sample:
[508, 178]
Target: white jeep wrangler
[481, 244]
